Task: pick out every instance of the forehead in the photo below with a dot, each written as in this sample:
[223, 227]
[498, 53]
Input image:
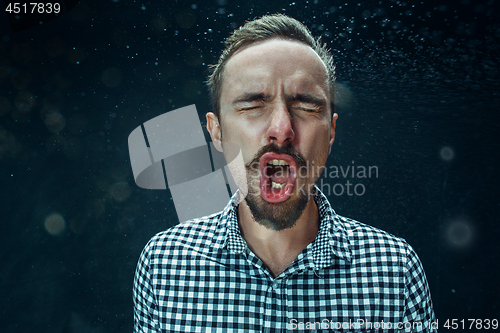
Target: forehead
[292, 62]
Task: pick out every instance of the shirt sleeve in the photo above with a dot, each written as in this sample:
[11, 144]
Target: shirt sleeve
[419, 311]
[145, 303]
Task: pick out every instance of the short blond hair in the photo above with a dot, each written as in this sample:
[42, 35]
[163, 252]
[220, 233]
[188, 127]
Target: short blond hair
[267, 27]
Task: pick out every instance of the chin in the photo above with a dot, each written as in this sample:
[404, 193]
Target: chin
[277, 216]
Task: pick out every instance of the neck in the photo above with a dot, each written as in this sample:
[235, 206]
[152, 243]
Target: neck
[278, 249]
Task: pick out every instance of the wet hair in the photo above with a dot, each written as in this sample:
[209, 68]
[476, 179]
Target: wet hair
[267, 27]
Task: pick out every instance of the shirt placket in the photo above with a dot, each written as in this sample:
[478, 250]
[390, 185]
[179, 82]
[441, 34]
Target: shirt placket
[274, 319]
[273, 297]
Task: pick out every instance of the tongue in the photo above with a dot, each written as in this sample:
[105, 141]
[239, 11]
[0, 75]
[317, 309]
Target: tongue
[279, 178]
[279, 174]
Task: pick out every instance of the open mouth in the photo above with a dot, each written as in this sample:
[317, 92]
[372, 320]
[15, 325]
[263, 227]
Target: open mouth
[278, 173]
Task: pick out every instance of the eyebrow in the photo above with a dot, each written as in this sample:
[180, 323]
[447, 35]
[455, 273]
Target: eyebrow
[251, 97]
[305, 98]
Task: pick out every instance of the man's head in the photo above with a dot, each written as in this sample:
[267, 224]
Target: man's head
[274, 102]
[266, 27]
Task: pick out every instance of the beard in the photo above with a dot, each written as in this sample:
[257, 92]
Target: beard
[281, 215]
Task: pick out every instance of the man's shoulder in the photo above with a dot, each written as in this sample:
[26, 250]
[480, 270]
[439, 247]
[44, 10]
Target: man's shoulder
[197, 233]
[363, 237]
[364, 240]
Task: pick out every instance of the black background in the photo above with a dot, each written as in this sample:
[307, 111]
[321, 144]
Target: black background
[417, 77]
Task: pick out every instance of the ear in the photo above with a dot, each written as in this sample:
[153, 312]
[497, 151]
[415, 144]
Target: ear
[213, 128]
[332, 130]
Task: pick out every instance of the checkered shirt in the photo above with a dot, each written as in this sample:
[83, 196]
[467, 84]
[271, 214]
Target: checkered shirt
[200, 276]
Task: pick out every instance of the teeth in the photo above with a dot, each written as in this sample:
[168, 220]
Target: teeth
[277, 185]
[278, 162]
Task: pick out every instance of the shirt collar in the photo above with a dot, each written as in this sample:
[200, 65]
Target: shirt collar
[332, 239]
[227, 234]
[331, 242]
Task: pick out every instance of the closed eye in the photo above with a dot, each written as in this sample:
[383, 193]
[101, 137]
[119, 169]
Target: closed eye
[309, 110]
[250, 108]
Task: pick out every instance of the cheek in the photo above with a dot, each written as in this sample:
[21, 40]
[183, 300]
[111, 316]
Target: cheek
[317, 142]
[317, 134]
[241, 137]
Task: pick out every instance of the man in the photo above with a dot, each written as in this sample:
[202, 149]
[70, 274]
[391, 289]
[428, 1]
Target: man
[279, 258]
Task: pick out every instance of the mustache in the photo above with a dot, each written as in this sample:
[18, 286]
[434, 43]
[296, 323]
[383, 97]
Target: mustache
[288, 150]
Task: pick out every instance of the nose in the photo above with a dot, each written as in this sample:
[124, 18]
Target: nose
[280, 131]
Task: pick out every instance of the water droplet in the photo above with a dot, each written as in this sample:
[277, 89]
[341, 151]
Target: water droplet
[447, 153]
